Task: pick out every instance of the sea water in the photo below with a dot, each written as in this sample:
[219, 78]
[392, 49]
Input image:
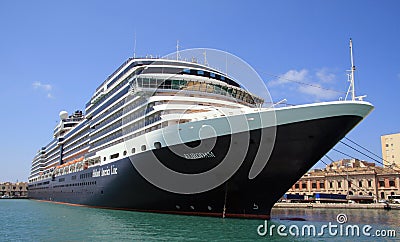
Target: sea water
[29, 220]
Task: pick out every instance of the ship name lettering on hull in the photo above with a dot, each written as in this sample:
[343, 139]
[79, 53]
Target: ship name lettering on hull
[193, 156]
[105, 171]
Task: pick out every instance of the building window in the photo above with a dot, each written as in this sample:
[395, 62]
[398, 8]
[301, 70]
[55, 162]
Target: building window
[296, 186]
[381, 184]
[349, 183]
[339, 184]
[304, 185]
[314, 185]
[321, 185]
[360, 183]
[391, 183]
[382, 195]
[330, 184]
[369, 183]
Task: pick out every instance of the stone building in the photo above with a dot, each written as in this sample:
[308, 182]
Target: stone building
[350, 177]
[18, 189]
[391, 150]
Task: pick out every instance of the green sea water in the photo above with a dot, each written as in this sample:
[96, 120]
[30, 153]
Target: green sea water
[28, 220]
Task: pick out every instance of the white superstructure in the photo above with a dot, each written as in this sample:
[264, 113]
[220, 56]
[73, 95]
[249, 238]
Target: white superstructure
[141, 96]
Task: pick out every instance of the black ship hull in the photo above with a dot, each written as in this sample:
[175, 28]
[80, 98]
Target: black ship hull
[118, 185]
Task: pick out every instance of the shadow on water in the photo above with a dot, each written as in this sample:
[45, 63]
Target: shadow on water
[42, 221]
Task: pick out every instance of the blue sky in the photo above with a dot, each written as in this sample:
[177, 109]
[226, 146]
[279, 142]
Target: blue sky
[53, 54]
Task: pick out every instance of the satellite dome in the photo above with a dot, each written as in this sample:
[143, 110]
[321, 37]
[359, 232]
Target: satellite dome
[63, 115]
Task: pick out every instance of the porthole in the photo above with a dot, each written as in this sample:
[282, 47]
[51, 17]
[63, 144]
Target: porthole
[125, 152]
[193, 144]
[157, 145]
[133, 150]
[143, 148]
[113, 156]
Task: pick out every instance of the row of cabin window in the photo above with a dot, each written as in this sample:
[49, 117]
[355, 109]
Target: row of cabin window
[81, 144]
[115, 89]
[157, 145]
[197, 86]
[211, 75]
[104, 140]
[114, 116]
[118, 114]
[132, 127]
[164, 124]
[112, 127]
[83, 134]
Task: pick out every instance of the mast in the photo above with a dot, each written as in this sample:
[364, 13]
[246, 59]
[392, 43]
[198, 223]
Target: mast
[353, 68]
[205, 58]
[350, 76]
[134, 46]
[177, 50]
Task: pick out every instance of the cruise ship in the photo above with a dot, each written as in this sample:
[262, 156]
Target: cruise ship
[180, 137]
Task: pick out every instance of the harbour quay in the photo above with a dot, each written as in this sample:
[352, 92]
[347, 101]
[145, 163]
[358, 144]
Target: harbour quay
[13, 190]
[281, 205]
